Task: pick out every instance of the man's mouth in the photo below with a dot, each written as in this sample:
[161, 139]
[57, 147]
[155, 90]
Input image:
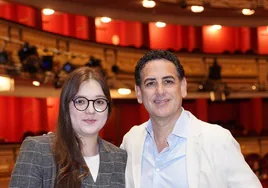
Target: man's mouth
[162, 101]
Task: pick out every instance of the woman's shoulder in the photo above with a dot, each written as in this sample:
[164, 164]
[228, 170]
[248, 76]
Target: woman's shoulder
[43, 139]
[38, 142]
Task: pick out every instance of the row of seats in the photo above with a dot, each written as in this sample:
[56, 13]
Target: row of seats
[238, 130]
[258, 164]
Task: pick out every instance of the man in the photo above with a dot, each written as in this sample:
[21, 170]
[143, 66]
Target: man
[174, 148]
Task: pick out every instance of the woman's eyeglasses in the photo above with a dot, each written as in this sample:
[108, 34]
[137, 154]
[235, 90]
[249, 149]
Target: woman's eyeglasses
[82, 103]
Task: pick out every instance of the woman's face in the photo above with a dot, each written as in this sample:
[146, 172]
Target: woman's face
[88, 122]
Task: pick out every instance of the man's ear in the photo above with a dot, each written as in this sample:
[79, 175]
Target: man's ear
[183, 87]
[138, 94]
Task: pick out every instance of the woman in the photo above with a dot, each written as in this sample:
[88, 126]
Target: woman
[75, 156]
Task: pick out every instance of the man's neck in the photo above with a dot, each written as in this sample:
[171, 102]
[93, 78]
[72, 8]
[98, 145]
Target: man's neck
[162, 128]
[160, 136]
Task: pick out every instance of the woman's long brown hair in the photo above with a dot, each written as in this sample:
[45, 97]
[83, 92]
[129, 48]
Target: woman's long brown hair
[71, 168]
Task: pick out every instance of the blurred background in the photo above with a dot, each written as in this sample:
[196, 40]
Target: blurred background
[222, 44]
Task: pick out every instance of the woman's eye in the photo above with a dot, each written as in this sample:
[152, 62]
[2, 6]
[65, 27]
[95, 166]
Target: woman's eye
[100, 102]
[79, 101]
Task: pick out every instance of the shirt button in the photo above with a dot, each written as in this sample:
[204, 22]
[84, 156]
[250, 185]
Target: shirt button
[157, 170]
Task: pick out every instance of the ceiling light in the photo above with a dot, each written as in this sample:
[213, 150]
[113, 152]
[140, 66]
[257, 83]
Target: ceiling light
[197, 9]
[36, 83]
[160, 24]
[216, 27]
[248, 12]
[105, 19]
[148, 4]
[48, 11]
[124, 91]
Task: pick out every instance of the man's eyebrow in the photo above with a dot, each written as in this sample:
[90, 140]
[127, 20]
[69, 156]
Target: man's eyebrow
[149, 79]
[168, 77]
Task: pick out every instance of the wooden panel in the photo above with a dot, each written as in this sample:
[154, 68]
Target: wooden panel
[237, 67]
[6, 162]
[249, 146]
[234, 3]
[253, 145]
[15, 33]
[127, 60]
[86, 49]
[264, 146]
[193, 66]
[3, 30]
[38, 39]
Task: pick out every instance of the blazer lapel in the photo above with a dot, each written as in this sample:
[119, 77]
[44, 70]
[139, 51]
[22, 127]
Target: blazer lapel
[137, 157]
[193, 153]
[106, 167]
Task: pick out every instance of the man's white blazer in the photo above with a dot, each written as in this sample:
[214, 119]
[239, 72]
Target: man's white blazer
[213, 157]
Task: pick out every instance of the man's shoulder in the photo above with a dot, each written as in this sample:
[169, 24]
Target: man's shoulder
[137, 130]
[134, 136]
[215, 134]
[209, 130]
[214, 130]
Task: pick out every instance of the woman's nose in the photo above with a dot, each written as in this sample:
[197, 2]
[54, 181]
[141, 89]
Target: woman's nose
[90, 109]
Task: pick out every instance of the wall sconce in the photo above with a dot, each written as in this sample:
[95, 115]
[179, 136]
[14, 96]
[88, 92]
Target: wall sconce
[48, 11]
[160, 24]
[124, 91]
[148, 4]
[6, 83]
[215, 27]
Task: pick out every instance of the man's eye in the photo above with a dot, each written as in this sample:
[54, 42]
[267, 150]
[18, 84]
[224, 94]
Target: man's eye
[148, 84]
[168, 81]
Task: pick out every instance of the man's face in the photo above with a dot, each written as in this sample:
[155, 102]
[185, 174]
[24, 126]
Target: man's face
[161, 91]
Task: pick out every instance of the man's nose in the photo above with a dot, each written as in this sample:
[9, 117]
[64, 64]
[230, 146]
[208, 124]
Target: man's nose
[160, 89]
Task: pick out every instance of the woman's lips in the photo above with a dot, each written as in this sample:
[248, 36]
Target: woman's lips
[90, 121]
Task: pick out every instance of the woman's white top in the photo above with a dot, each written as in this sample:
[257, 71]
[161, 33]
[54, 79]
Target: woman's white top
[93, 164]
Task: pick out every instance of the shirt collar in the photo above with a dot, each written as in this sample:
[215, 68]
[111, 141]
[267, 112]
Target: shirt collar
[180, 129]
[181, 126]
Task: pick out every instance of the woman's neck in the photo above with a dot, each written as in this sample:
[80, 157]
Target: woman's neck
[90, 146]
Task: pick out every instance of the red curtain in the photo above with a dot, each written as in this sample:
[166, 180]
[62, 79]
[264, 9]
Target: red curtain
[21, 114]
[263, 39]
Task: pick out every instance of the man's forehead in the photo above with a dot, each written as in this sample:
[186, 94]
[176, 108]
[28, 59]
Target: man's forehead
[159, 71]
[160, 77]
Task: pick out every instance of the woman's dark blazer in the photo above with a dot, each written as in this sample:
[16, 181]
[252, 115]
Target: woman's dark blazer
[35, 166]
